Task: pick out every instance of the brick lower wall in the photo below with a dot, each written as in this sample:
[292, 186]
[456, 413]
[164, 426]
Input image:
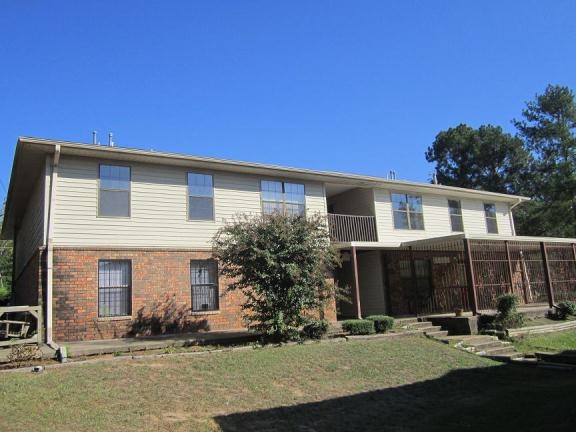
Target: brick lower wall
[161, 296]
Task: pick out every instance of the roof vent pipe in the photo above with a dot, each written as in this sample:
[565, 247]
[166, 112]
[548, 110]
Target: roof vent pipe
[94, 137]
[110, 141]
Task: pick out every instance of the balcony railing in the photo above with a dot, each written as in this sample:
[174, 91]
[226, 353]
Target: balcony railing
[349, 228]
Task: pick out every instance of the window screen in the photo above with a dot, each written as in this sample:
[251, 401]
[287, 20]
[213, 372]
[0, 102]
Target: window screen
[114, 199]
[200, 197]
[114, 288]
[204, 281]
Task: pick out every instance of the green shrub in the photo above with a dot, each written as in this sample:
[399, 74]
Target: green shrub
[486, 322]
[506, 304]
[564, 309]
[315, 329]
[358, 326]
[510, 321]
[382, 323]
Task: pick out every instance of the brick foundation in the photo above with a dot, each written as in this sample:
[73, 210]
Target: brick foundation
[161, 296]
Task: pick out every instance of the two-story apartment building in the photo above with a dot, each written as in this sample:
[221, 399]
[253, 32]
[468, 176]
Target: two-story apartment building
[106, 238]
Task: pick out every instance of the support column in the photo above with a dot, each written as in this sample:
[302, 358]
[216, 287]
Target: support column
[470, 277]
[414, 281]
[547, 279]
[356, 282]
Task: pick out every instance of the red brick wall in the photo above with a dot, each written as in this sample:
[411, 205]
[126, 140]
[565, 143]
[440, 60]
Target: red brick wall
[161, 296]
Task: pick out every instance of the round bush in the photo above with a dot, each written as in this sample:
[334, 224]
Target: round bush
[358, 326]
[507, 303]
[565, 308]
[382, 323]
[315, 329]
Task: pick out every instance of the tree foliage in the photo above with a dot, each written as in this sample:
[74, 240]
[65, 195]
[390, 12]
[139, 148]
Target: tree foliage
[280, 264]
[485, 158]
[548, 127]
[5, 267]
[539, 162]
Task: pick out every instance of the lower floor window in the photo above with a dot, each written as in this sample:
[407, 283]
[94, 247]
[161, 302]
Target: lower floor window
[114, 288]
[204, 280]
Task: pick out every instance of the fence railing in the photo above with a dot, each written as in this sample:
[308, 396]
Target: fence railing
[349, 228]
[20, 325]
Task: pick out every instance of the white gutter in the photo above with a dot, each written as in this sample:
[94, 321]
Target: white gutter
[50, 248]
[512, 217]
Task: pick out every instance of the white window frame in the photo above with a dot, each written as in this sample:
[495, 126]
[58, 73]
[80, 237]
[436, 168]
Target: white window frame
[189, 196]
[284, 202]
[453, 215]
[407, 212]
[492, 218]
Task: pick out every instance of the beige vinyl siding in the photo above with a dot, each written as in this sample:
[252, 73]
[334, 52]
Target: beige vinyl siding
[358, 201]
[159, 206]
[370, 277]
[436, 217]
[31, 233]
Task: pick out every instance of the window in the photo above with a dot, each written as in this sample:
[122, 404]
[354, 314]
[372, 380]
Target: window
[407, 211]
[490, 215]
[200, 197]
[204, 281]
[114, 288]
[455, 210]
[282, 197]
[114, 198]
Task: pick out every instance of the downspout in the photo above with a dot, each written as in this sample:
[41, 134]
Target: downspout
[50, 248]
[512, 217]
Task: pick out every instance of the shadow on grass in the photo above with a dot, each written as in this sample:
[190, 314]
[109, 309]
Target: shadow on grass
[495, 398]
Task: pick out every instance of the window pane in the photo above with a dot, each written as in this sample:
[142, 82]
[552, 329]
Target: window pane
[456, 222]
[114, 203]
[114, 290]
[295, 209]
[490, 210]
[200, 185]
[399, 202]
[415, 203]
[201, 208]
[204, 281]
[271, 191]
[271, 207]
[454, 207]
[491, 226]
[400, 220]
[416, 221]
[294, 193]
[114, 177]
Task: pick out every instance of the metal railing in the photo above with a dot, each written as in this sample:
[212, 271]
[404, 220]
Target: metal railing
[20, 325]
[349, 228]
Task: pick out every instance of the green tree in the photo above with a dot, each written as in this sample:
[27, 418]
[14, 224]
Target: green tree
[5, 267]
[548, 127]
[280, 264]
[485, 158]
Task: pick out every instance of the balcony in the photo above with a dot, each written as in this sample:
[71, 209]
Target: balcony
[351, 228]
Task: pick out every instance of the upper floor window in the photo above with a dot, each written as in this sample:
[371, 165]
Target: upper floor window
[114, 199]
[114, 288]
[283, 197]
[455, 210]
[490, 215]
[200, 196]
[408, 213]
[204, 281]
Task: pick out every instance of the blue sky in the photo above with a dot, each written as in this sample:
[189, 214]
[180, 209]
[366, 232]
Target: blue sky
[354, 86]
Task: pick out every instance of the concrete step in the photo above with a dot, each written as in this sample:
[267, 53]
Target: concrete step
[437, 333]
[508, 357]
[405, 321]
[498, 351]
[484, 345]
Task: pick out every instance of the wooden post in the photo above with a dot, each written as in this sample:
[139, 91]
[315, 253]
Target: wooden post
[511, 272]
[356, 282]
[470, 277]
[547, 279]
[414, 280]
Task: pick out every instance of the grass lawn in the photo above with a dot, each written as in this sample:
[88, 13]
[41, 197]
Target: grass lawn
[551, 342]
[405, 384]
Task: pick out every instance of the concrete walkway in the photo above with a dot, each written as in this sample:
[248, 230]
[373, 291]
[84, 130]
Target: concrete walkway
[111, 346]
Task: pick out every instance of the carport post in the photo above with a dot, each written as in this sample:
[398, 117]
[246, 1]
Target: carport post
[356, 283]
[470, 277]
[547, 278]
